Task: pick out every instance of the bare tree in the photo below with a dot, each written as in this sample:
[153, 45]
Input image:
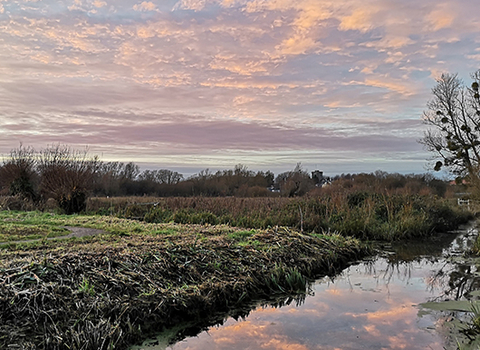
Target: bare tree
[67, 175]
[168, 177]
[161, 176]
[294, 183]
[130, 171]
[454, 134]
[17, 175]
[107, 179]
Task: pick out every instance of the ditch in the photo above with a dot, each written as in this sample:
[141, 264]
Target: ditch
[413, 295]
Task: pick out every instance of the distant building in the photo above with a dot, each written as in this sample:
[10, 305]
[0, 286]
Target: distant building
[273, 189]
[319, 179]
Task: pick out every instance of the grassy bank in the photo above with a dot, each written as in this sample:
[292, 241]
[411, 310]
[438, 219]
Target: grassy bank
[107, 291]
[362, 214]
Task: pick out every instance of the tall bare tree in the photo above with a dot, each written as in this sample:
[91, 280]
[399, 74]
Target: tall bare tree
[294, 183]
[454, 133]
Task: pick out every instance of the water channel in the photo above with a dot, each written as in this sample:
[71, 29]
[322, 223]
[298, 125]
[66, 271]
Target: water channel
[373, 304]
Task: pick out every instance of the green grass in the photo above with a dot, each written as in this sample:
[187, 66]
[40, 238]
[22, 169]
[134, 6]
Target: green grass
[250, 243]
[86, 287]
[241, 235]
[23, 226]
[19, 226]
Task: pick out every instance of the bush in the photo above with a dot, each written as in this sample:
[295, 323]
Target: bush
[158, 215]
[136, 211]
[74, 202]
[183, 216]
[205, 218]
[356, 198]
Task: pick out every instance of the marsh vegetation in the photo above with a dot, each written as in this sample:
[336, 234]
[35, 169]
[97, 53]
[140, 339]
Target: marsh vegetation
[365, 215]
[186, 249]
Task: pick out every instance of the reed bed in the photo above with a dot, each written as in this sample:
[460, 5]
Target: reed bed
[365, 215]
[110, 290]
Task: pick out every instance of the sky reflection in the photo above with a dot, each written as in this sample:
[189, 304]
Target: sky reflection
[369, 306]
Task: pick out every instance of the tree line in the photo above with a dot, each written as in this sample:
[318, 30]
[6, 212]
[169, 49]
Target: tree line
[70, 176]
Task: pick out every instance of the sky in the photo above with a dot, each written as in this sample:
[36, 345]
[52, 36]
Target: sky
[338, 85]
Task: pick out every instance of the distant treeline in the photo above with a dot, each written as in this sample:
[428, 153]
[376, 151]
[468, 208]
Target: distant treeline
[70, 176]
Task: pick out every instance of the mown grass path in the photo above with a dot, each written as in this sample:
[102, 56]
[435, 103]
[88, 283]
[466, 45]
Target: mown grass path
[76, 232]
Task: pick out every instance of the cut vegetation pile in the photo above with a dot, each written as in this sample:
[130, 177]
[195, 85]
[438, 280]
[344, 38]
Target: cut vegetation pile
[110, 290]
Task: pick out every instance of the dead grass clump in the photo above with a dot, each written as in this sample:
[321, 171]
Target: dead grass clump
[16, 203]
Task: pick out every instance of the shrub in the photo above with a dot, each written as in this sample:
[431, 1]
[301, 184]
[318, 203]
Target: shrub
[74, 202]
[357, 198]
[158, 215]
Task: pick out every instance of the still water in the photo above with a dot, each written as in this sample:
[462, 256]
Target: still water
[372, 304]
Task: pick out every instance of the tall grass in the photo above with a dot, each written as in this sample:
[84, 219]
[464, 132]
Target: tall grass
[360, 214]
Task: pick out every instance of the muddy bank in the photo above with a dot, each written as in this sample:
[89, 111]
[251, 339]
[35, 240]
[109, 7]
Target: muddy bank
[108, 291]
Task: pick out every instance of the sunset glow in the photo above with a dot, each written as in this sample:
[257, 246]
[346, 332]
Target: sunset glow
[193, 84]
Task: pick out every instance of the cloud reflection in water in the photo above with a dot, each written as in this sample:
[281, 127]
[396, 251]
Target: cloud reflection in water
[367, 307]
